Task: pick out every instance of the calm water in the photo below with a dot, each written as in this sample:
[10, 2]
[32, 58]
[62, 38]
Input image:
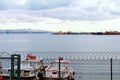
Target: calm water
[61, 43]
[85, 69]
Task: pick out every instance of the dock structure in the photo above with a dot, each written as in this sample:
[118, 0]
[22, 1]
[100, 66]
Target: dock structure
[15, 58]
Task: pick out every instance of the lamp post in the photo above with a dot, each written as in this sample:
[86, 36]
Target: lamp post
[59, 69]
[111, 69]
[60, 58]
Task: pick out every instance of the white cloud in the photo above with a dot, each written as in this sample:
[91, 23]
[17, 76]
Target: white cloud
[64, 15]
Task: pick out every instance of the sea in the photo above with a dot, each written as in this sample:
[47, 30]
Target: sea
[60, 43]
[89, 54]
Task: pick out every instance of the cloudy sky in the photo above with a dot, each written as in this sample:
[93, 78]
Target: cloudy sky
[60, 15]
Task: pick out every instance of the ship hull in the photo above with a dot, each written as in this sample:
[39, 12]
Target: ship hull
[21, 78]
[48, 78]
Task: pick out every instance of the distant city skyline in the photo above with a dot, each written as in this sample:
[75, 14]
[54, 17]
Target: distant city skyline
[61, 15]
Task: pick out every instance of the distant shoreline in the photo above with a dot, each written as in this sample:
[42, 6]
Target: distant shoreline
[23, 31]
[32, 31]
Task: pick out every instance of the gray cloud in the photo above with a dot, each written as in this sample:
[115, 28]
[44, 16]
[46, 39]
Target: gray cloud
[32, 5]
[11, 4]
[60, 9]
[86, 10]
[46, 4]
[2, 5]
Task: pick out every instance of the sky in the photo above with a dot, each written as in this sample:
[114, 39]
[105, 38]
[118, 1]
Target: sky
[61, 15]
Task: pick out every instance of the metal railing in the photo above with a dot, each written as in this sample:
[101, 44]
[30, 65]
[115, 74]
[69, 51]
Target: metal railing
[87, 65]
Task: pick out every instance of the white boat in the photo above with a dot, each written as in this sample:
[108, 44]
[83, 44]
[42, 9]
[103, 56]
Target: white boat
[56, 71]
[28, 71]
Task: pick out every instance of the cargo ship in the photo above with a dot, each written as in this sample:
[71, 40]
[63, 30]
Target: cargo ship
[106, 33]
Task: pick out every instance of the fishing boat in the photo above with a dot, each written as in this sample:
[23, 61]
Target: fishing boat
[28, 70]
[59, 70]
